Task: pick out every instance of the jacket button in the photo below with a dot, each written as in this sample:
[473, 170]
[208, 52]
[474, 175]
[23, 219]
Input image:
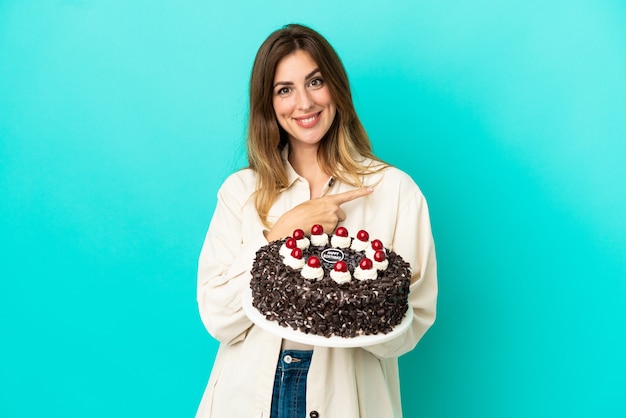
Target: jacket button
[314, 414]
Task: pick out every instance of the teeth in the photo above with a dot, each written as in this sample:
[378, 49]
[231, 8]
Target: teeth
[307, 120]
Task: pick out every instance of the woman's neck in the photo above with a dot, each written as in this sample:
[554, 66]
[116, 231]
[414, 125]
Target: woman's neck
[304, 162]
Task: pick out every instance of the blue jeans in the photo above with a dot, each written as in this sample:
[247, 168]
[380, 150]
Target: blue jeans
[289, 397]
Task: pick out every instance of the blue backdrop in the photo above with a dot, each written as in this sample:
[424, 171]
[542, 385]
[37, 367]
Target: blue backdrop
[119, 120]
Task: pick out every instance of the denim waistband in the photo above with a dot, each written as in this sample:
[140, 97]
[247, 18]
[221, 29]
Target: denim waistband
[295, 359]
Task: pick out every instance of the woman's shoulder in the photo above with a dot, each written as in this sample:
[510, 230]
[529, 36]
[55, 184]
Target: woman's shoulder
[395, 173]
[391, 175]
[242, 182]
[385, 170]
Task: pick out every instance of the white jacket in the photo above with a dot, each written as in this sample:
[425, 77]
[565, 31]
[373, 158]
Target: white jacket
[342, 382]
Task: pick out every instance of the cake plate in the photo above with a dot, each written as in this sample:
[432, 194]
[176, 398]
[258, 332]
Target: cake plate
[333, 341]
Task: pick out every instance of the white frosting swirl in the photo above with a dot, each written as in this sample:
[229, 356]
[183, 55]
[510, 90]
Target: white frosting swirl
[369, 274]
[294, 263]
[369, 252]
[340, 242]
[380, 265]
[358, 245]
[284, 251]
[303, 243]
[319, 240]
[340, 276]
[312, 273]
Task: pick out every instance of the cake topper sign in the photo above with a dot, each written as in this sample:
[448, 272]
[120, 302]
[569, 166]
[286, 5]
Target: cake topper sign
[331, 255]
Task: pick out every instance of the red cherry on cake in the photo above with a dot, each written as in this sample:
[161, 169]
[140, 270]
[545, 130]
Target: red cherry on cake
[341, 266]
[313, 262]
[362, 235]
[379, 256]
[366, 264]
[298, 234]
[291, 243]
[296, 253]
[377, 245]
[317, 229]
[341, 232]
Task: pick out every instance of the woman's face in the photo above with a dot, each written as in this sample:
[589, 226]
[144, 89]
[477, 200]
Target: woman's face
[302, 101]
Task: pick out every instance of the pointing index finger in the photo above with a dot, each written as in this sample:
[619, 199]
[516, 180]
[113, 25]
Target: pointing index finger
[344, 197]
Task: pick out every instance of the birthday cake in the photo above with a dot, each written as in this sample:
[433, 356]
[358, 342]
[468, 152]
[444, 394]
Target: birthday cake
[331, 286]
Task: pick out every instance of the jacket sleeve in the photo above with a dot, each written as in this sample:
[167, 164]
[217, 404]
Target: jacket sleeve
[413, 240]
[224, 265]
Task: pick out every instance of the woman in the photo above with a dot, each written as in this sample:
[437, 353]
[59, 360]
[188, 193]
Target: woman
[310, 162]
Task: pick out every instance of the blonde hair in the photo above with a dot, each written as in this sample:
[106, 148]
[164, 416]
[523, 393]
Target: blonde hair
[346, 140]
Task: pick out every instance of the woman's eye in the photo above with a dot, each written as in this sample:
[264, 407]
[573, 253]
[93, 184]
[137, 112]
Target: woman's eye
[283, 91]
[316, 82]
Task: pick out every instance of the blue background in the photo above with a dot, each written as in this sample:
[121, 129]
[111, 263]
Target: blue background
[119, 120]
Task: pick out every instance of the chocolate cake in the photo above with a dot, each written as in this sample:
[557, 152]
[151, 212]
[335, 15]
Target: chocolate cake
[340, 286]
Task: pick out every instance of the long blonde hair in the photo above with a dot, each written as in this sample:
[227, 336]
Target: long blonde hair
[346, 139]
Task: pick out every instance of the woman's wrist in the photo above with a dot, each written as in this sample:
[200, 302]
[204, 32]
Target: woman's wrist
[271, 235]
[278, 231]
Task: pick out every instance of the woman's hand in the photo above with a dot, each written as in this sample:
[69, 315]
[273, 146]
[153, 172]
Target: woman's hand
[325, 211]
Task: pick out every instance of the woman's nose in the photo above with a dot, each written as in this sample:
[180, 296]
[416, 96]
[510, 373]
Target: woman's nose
[305, 102]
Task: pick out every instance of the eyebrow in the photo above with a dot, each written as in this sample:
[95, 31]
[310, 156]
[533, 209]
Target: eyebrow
[289, 83]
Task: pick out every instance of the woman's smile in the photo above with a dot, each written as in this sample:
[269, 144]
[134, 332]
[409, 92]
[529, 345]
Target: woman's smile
[308, 121]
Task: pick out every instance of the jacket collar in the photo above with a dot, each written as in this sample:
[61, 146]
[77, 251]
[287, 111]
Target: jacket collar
[292, 176]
